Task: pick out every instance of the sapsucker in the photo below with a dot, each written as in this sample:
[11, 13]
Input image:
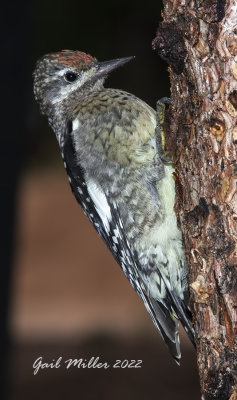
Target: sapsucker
[111, 145]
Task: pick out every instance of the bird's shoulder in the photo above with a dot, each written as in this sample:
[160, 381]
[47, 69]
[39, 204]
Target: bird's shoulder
[115, 102]
[118, 123]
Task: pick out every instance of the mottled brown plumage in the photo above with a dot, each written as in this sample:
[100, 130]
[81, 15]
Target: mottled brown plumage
[111, 145]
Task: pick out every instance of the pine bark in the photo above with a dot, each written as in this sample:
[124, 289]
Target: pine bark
[198, 39]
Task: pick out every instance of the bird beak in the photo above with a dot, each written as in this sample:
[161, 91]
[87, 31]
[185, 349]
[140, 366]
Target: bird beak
[105, 67]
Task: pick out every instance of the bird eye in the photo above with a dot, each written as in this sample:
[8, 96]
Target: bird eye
[71, 76]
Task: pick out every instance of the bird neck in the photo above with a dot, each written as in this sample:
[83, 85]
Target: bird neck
[59, 112]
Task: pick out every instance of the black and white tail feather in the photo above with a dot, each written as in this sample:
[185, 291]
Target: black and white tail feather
[164, 313]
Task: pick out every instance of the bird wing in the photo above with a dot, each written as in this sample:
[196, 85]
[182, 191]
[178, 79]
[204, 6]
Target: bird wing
[105, 217]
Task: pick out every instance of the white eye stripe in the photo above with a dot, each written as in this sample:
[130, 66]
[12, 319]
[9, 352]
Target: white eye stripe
[64, 71]
[64, 92]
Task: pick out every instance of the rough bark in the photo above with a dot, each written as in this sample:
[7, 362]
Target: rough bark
[199, 41]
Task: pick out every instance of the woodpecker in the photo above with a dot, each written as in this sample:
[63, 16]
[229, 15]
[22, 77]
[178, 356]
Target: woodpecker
[111, 144]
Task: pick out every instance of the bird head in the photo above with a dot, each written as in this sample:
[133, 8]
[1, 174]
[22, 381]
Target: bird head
[69, 74]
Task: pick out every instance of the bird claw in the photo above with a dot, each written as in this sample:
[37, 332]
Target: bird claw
[166, 159]
[160, 111]
[164, 100]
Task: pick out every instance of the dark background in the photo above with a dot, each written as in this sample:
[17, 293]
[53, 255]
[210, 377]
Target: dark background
[61, 292]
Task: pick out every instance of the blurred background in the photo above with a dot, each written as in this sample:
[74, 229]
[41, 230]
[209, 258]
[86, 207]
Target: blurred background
[62, 293]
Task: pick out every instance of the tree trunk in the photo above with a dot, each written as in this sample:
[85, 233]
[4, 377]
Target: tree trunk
[199, 41]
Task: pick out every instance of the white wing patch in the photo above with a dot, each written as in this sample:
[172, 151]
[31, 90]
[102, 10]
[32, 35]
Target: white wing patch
[101, 204]
[75, 124]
